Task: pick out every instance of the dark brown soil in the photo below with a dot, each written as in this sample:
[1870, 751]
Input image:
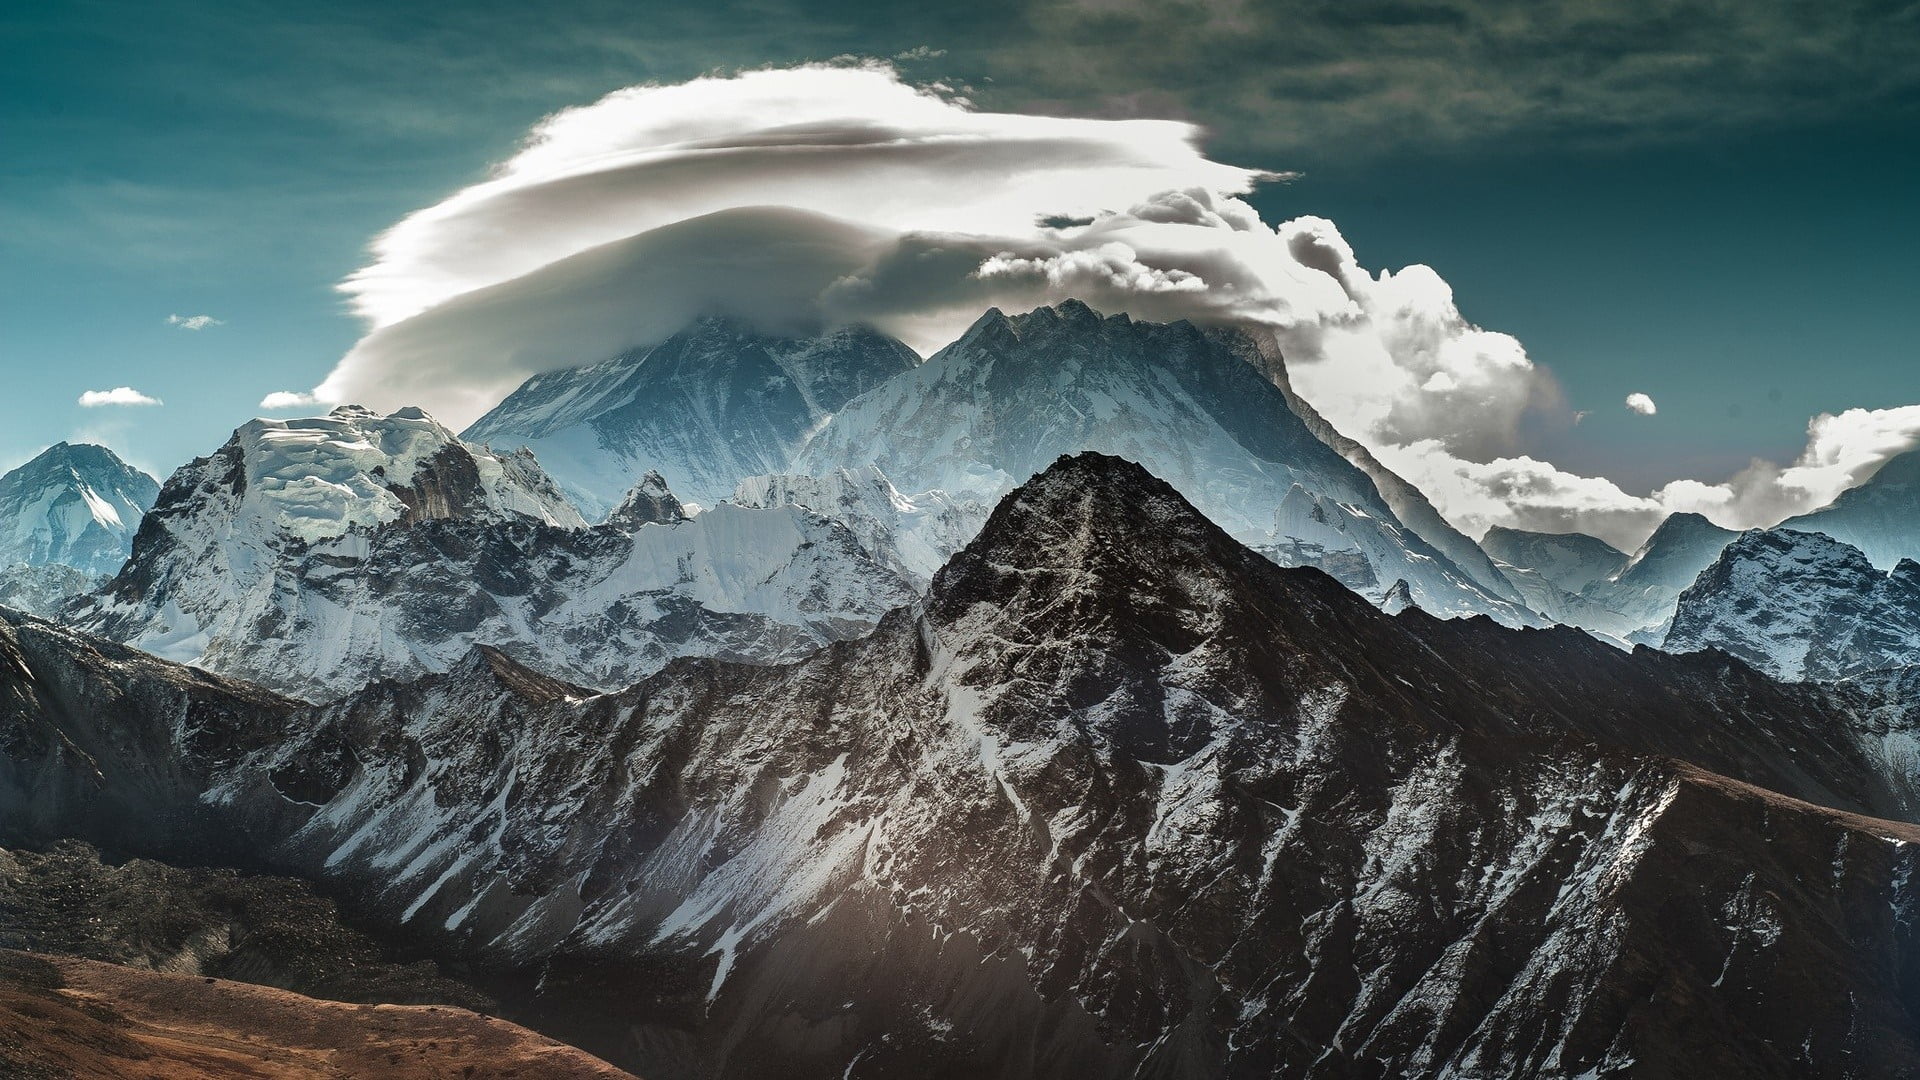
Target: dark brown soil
[66, 1017]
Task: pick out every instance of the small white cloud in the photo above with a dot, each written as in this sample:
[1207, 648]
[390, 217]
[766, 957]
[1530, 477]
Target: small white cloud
[920, 52]
[287, 399]
[1642, 404]
[194, 322]
[119, 395]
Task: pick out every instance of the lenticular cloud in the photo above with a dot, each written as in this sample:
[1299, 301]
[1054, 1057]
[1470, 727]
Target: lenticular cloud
[854, 143]
[805, 197]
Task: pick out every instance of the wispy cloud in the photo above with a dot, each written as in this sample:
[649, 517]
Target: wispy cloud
[920, 52]
[1641, 404]
[119, 395]
[194, 322]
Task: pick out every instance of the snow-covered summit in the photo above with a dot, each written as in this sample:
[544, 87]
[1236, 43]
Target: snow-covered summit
[1014, 393]
[1571, 561]
[1801, 605]
[1880, 517]
[318, 555]
[913, 534]
[707, 407]
[1642, 592]
[73, 505]
[316, 477]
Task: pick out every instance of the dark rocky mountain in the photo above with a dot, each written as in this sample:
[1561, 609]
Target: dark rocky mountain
[1881, 517]
[1802, 606]
[1123, 798]
[73, 506]
[650, 502]
[707, 407]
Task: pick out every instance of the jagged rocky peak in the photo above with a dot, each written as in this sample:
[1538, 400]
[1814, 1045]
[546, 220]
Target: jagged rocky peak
[75, 505]
[715, 403]
[648, 502]
[1802, 605]
[1571, 561]
[1398, 599]
[1070, 817]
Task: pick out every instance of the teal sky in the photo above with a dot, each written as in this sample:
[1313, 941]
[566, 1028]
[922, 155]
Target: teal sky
[1713, 207]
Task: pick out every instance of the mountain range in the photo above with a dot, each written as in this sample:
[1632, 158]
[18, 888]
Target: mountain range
[1120, 797]
[316, 556]
[1076, 701]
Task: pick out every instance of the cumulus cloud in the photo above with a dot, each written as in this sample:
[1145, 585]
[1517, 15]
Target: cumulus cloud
[119, 395]
[1641, 404]
[194, 322]
[1842, 451]
[825, 194]
[288, 399]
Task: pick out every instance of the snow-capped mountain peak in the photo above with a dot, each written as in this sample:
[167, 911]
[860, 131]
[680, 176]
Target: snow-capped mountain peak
[1571, 561]
[318, 477]
[708, 406]
[320, 554]
[1015, 392]
[1881, 517]
[73, 505]
[1801, 605]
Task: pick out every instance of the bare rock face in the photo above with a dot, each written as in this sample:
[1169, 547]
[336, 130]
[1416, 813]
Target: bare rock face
[648, 503]
[1121, 798]
[66, 1017]
[256, 928]
[1802, 606]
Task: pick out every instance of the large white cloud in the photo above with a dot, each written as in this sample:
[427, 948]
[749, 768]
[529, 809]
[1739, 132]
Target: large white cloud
[821, 194]
[854, 142]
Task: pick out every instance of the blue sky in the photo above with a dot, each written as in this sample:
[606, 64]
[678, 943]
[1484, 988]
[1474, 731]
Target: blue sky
[1715, 208]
